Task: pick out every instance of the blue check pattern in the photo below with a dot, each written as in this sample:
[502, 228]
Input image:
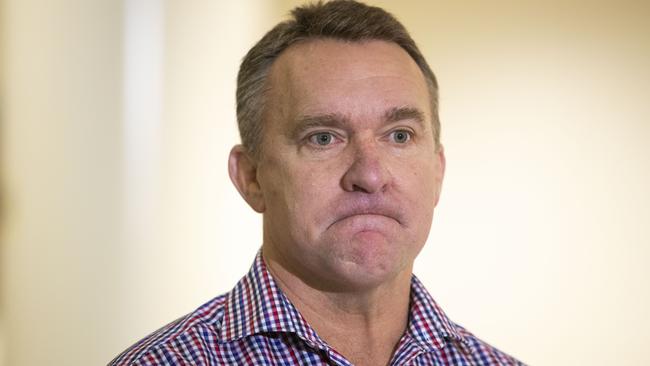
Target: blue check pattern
[255, 324]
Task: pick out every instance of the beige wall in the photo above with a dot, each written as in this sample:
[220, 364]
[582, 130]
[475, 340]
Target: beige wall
[87, 265]
[118, 215]
[60, 160]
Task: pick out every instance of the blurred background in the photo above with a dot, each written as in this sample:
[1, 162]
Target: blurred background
[117, 215]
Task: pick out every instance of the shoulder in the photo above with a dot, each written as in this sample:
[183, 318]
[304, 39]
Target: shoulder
[431, 326]
[181, 342]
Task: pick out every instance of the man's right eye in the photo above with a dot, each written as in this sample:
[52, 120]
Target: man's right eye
[321, 138]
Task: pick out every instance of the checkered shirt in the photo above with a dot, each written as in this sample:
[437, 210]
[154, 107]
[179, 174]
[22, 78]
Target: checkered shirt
[255, 324]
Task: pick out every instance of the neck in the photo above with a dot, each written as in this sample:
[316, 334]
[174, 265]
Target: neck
[364, 326]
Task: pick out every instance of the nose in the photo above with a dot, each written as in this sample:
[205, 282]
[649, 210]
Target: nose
[368, 172]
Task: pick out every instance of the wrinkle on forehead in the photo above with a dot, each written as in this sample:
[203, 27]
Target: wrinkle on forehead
[320, 76]
[333, 56]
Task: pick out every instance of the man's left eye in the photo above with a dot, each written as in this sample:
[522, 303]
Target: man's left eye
[400, 136]
[322, 138]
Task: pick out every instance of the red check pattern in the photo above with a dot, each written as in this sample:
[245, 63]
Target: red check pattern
[255, 324]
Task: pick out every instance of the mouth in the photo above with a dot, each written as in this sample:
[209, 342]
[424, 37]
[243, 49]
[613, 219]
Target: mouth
[370, 218]
[366, 215]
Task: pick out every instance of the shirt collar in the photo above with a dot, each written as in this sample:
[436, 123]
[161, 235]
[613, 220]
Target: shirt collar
[428, 325]
[257, 305]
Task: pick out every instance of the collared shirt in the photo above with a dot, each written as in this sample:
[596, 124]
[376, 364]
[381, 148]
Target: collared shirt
[255, 324]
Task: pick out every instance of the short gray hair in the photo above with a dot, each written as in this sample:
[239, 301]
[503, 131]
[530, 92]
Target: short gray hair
[345, 20]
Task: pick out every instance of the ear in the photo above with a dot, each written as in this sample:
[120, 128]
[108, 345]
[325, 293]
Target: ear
[440, 174]
[243, 174]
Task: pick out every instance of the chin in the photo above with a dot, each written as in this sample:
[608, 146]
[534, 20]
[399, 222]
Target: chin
[368, 266]
[363, 280]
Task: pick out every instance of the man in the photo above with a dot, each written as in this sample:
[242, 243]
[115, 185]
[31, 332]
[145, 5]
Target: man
[341, 153]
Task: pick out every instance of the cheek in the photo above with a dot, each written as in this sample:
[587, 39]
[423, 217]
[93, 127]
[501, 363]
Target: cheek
[311, 193]
[420, 185]
[297, 198]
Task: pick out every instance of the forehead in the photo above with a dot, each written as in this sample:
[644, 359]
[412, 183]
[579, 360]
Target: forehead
[325, 76]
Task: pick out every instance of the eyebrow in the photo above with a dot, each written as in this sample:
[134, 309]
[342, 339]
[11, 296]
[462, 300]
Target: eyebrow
[397, 114]
[320, 120]
[394, 114]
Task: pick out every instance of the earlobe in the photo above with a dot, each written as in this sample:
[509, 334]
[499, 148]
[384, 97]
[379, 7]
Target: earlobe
[243, 174]
[442, 163]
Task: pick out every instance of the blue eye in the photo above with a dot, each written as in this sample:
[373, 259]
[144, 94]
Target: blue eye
[322, 139]
[400, 136]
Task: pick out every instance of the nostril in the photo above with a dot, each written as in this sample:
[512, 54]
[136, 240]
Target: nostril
[357, 188]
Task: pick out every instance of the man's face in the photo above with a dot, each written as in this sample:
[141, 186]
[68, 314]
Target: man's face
[349, 172]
